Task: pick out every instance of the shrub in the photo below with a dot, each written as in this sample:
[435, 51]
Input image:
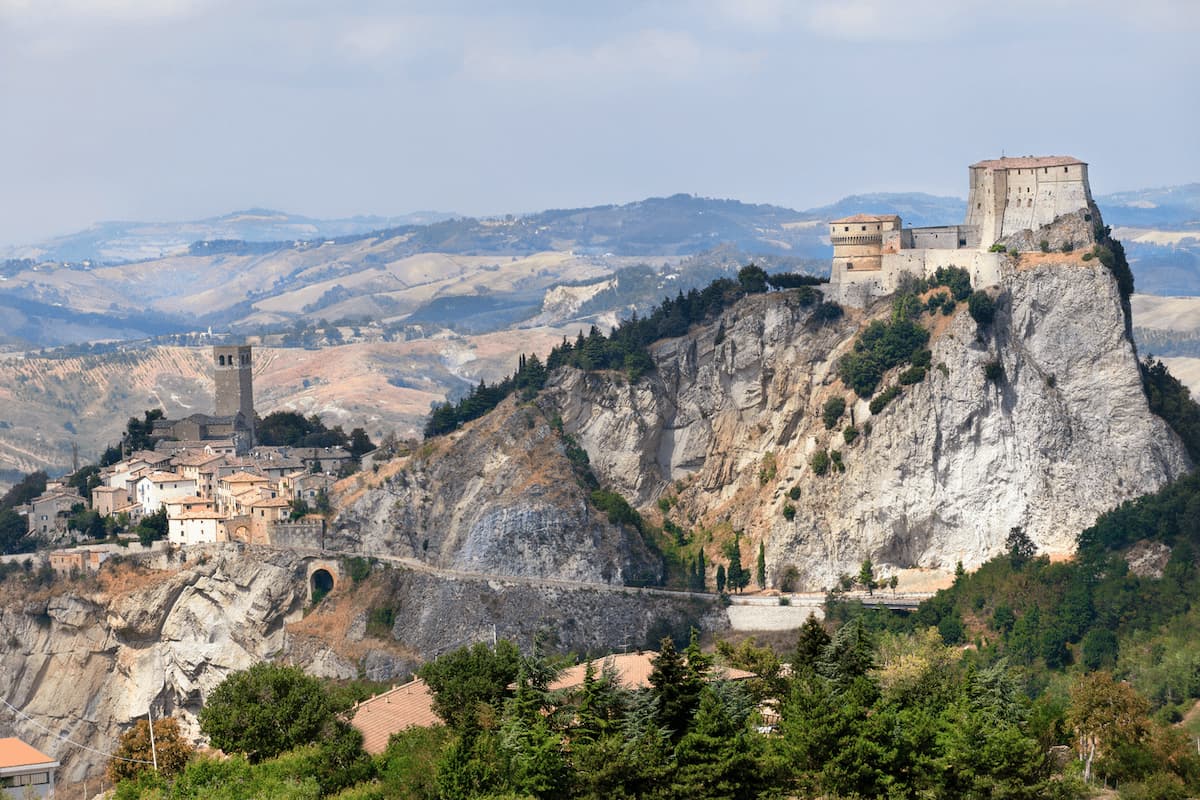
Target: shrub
[1045, 245]
[850, 434]
[1088, 256]
[912, 375]
[767, 470]
[788, 578]
[881, 346]
[819, 462]
[994, 371]
[380, 622]
[1067, 247]
[997, 248]
[794, 493]
[886, 396]
[789, 512]
[835, 457]
[956, 279]
[982, 308]
[826, 312]
[922, 358]
[832, 412]
[948, 307]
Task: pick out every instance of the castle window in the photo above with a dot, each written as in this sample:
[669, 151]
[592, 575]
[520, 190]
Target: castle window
[1066, 169]
[864, 227]
[847, 228]
[221, 360]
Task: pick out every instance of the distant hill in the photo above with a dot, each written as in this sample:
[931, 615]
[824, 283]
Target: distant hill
[260, 270]
[110, 242]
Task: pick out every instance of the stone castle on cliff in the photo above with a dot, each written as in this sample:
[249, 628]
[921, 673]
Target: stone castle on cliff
[1008, 196]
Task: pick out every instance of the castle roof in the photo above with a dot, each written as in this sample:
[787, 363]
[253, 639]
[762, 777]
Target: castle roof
[867, 218]
[1027, 162]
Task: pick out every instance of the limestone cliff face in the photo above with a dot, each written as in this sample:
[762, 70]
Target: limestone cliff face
[497, 497]
[732, 415]
[84, 659]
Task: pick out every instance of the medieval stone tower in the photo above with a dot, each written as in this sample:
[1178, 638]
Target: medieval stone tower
[234, 379]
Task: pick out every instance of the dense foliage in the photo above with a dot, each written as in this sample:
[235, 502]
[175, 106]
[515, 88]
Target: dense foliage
[290, 429]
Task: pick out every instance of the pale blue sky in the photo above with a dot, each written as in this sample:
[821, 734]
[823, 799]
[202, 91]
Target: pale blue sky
[175, 109]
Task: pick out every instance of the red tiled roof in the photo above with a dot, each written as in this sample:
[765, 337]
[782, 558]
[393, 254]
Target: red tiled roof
[633, 671]
[1026, 162]
[866, 218]
[407, 706]
[15, 753]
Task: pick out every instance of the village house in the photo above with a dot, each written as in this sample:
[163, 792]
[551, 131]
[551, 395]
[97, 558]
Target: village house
[76, 560]
[231, 486]
[25, 772]
[47, 515]
[195, 526]
[107, 499]
[153, 490]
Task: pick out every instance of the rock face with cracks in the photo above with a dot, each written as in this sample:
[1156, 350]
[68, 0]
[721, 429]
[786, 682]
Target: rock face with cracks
[731, 417]
[84, 659]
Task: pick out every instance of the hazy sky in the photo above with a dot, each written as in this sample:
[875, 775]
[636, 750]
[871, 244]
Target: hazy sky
[175, 109]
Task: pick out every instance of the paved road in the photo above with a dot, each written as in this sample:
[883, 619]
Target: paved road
[900, 600]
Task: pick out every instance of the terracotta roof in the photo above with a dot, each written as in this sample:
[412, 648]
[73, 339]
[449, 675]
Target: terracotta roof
[271, 502]
[167, 477]
[198, 513]
[107, 489]
[15, 753]
[407, 706]
[1026, 162]
[867, 218]
[244, 477]
[633, 671]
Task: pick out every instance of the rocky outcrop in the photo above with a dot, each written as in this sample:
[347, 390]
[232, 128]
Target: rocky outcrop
[83, 659]
[498, 497]
[1074, 231]
[731, 418]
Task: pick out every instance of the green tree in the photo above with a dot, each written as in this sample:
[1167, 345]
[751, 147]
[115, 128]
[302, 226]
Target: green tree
[721, 578]
[675, 682]
[736, 577]
[866, 575]
[265, 710]
[760, 567]
[1019, 546]
[471, 680]
[810, 644]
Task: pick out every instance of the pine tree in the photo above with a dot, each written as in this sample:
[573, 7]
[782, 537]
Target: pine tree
[810, 645]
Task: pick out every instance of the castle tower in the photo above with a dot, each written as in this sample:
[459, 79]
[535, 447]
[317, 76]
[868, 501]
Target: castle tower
[234, 379]
[1008, 195]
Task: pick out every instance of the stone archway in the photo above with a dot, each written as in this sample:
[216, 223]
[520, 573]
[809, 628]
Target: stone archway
[323, 576]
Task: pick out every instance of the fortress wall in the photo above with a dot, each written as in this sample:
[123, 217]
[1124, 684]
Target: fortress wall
[857, 289]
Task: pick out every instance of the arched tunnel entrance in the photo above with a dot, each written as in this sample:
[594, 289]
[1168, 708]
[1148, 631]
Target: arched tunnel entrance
[320, 584]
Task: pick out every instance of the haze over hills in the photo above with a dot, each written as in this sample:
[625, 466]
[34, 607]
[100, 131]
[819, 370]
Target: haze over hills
[428, 272]
[116, 241]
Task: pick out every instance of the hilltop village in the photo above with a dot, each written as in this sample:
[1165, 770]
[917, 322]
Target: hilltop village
[206, 479]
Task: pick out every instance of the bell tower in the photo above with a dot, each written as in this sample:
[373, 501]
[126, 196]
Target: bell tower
[234, 379]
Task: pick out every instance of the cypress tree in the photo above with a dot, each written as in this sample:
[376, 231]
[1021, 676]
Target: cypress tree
[720, 578]
[760, 569]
